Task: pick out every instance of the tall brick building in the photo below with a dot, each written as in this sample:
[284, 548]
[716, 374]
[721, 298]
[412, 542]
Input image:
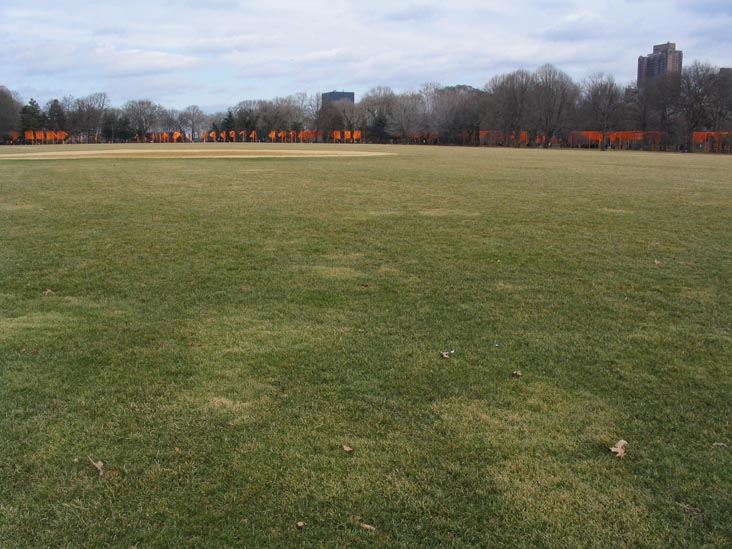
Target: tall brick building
[665, 59]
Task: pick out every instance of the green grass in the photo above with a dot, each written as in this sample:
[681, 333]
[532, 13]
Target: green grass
[219, 328]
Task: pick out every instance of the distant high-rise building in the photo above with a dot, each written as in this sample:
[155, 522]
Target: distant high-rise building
[335, 96]
[665, 59]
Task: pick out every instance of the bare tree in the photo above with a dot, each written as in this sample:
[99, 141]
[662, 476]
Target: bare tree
[191, 119]
[476, 111]
[458, 114]
[329, 119]
[313, 110]
[212, 121]
[638, 108]
[696, 93]
[170, 120]
[408, 116]
[299, 102]
[510, 96]
[144, 115]
[601, 103]
[663, 98]
[96, 104]
[721, 105]
[723, 101]
[291, 111]
[446, 114]
[73, 116]
[429, 93]
[553, 98]
[89, 113]
[275, 115]
[352, 115]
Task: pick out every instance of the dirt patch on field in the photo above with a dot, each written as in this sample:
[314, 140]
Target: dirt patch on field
[185, 153]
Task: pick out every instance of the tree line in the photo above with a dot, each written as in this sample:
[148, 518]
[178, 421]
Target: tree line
[546, 102]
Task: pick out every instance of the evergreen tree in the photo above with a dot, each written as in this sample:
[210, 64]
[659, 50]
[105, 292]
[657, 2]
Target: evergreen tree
[32, 117]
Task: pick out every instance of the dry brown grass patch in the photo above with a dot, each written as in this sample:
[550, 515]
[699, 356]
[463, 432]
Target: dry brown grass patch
[204, 152]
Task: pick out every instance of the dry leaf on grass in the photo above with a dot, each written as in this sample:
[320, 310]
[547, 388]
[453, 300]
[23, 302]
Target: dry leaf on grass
[48, 291]
[300, 525]
[719, 445]
[516, 373]
[619, 448]
[112, 474]
[689, 509]
[445, 354]
[347, 449]
[98, 465]
[367, 527]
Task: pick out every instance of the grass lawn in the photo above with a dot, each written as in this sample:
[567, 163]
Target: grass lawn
[215, 330]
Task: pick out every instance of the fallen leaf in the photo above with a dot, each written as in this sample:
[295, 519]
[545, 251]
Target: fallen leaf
[300, 525]
[619, 448]
[177, 450]
[98, 465]
[657, 262]
[719, 445]
[367, 527]
[689, 509]
[445, 354]
[516, 373]
[48, 291]
[347, 449]
[75, 460]
[112, 474]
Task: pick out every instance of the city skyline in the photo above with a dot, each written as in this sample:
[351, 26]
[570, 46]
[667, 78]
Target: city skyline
[214, 55]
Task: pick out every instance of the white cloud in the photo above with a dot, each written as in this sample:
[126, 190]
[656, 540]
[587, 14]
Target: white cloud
[139, 62]
[222, 49]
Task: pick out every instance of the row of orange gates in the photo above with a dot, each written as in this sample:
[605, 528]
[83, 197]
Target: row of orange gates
[719, 142]
[303, 136]
[37, 137]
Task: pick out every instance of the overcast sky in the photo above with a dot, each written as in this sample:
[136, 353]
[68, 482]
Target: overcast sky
[215, 53]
